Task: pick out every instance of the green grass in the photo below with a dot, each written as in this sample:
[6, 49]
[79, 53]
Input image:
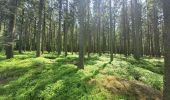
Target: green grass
[52, 77]
[148, 71]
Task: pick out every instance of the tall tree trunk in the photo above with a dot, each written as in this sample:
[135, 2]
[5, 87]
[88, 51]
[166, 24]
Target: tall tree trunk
[111, 34]
[66, 28]
[35, 33]
[11, 29]
[156, 31]
[39, 34]
[137, 23]
[166, 10]
[44, 29]
[81, 13]
[72, 32]
[125, 28]
[50, 33]
[133, 26]
[59, 37]
[88, 29]
[21, 33]
[99, 28]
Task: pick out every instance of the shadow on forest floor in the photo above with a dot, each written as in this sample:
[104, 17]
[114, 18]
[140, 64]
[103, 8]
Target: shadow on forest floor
[154, 66]
[57, 77]
[48, 77]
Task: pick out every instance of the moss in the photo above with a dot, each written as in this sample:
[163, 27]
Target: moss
[57, 77]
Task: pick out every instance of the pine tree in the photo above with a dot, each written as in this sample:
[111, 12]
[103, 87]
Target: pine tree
[166, 11]
[11, 29]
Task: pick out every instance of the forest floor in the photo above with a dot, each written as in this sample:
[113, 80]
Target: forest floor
[26, 77]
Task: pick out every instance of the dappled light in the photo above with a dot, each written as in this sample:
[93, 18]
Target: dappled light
[57, 77]
[84, 49]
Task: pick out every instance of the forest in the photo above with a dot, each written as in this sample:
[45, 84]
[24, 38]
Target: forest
[84, 49]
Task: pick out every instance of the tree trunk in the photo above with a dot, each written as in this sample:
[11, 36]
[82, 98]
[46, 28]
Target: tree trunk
[81, 13]
[133, 26]
[156, 31]
[11, 29]
[137, 23]
[59, 37]
[21, 33]
[111, 34]
[166, 10]
[88, 29]
[44, 29]
[39, 34]
[66, 28]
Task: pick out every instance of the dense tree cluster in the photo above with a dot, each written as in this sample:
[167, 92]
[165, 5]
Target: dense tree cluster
[115, 26]
[129, 27]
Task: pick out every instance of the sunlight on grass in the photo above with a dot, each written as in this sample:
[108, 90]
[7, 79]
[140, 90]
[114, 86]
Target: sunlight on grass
[51, 76]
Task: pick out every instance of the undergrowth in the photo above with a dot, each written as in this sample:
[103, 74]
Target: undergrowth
[52, 77]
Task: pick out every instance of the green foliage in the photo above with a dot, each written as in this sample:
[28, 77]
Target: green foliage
[52, 77]
[144, 70]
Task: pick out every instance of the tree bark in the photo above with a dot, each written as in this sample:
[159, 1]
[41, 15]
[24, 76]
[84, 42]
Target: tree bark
[11, 29]
[39, 34]
[21, 33]
[166, 11]
[81, 13]
[66, 28]
[156, 31]
[111, 34]
[59, 37]
[44, 30]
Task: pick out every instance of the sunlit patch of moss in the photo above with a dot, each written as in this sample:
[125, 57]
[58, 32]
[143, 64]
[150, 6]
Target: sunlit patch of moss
[67, 59]
[57, 77]
[2, 57]
[150, 78]
[50, 89]
[131, 69]
[51, 55]
[22, 57]
[98, 93]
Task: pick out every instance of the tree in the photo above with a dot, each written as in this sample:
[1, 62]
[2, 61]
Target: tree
[111, 34]
[39, 34]
[136, 27]
[21, 33]
[125, 29]
[156, 30]
[88, 28]
[81, 13]
[166, 11]
[59, 37]
[66, 27]
[44, 29]
[11, 29]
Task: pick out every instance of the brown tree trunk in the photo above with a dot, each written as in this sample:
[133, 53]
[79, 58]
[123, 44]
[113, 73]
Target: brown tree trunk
[39, 34]
[59, 37]
[156, 31]
[66, 29]
[44, 29]
[81, 14]
[21, 33]
[137, 23]
[166, 10]
[111, 34]
[11, 29]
